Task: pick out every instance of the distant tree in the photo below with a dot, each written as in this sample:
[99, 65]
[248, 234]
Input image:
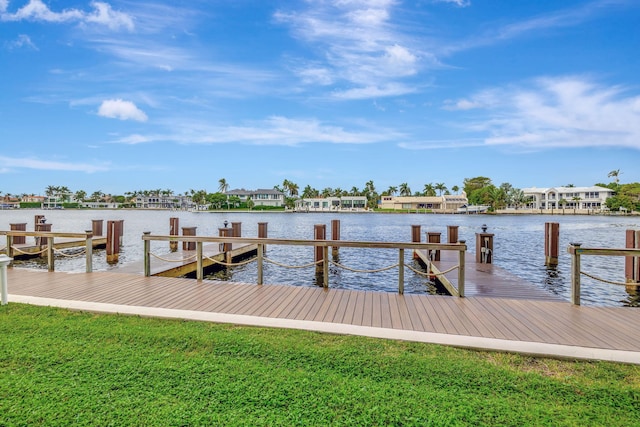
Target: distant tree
[455, 189]
[326, 192]
[404, 189]
[223, 185]
[80, 195]
[496, 197]
[429, 190]
[309, 192]
[355, 191]
[472, 184]
[440, 187]
[615, 174]
[576, 201]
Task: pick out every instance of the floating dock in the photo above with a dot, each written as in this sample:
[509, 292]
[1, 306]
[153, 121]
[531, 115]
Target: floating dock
[483, 280]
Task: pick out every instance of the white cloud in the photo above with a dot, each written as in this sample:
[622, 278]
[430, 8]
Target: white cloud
[394, 89]
[559, 112]
[275, 130]
[123, 110]
[459, 3]
[30, 163]
[37, 10]
[22, 41]
[355, 42]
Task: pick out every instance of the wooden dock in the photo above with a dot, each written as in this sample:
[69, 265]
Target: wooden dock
[30, 250]
[538, 327]
[484, 280]
[183, 263]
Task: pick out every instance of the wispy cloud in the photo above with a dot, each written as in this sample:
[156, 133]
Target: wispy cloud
[276, 130]
[357, 44]
[459, 3]
[557, 112]
[48, 165]
[37, 10]
[23, 41]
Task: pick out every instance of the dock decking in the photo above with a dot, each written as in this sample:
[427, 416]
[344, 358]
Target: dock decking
[538, 327]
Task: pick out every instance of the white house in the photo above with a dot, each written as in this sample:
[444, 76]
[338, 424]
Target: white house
[593, 198]
[328, 204]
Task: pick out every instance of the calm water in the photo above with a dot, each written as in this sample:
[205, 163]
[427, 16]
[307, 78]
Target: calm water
[518, 245]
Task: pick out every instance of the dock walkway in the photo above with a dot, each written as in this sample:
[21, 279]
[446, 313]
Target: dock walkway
[547, 328]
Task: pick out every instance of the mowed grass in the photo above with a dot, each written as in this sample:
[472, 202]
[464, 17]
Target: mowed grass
[61, 367]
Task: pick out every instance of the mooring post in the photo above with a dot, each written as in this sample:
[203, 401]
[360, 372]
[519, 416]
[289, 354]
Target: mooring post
[96, 227]
[551, 243]
[88, 249]
[632, 263]
[574, 250]
[260, 261]
[188, 231]
[9, 250]
[262, 234]
[147, 254]
[38, 219]
[452, 234]
[484, 246]
[113, 242]
[335, 235]
[433, 237]
[174, 230]
[4, 262]
[415, 238]
[319, 233]
[45, 228]
[19, 240]
[236, 229]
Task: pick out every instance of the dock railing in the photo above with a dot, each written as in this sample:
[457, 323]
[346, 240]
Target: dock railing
[45, 240]
[323, 263]
[577, 251]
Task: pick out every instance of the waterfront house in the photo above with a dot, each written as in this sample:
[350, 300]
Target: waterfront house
[331, 204]
[156, 201]
[446, 203]
[260, 197]
[584, 198]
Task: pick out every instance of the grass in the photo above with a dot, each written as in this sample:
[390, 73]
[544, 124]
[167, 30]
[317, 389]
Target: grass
[61, 367]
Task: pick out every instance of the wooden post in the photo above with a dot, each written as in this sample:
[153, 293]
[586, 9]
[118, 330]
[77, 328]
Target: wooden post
[113, 242]
[433, 237]
[50, 259]
[632, 264]
[199, 269]
[88, 249]
[335, 235]
[452, 234]
[9, 250]
[225, 232]
[574, 250]
[461, 268]
[236, 228]
[96, 227]
[325, 266]
[188, 231]
[260, 263]
[262, 234]
[147, 255]
[401, 271]
[551, 243]
[19, 240]
[40, 241]
[174, 230]
[38, 219]
[319, 233]
[415, 238]
[484, 247]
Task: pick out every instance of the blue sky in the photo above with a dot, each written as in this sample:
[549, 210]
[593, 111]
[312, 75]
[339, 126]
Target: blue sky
[117, 96]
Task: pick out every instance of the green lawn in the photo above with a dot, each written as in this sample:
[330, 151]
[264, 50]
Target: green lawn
[61, 367]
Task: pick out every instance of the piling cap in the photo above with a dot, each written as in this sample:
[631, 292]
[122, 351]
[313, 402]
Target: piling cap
[4, 259]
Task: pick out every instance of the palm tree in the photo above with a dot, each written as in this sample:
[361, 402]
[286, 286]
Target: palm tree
[496, 197]
[355, 191]
[391, 191]
[440, 187]
[309, 192]
[80, 195]
[615, 174]
[429, 190]
[405, 190]
[223, 186]
[576, 201]
[455, 189]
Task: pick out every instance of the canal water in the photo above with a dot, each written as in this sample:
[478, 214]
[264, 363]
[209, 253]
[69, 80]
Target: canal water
[518, 245]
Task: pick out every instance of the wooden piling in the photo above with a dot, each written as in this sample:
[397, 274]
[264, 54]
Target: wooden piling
[226, 247]
[174, 230]
[551, 243]
[96, 227]
[319, 233]
[262, 234]
[416, 237]
[632, 264]
[19, 240]
[452, 234]
[38, 219]
[433, 237]
[113, 241]
[335, 235]
[236, 229]
[42, 241]
[189, 231]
